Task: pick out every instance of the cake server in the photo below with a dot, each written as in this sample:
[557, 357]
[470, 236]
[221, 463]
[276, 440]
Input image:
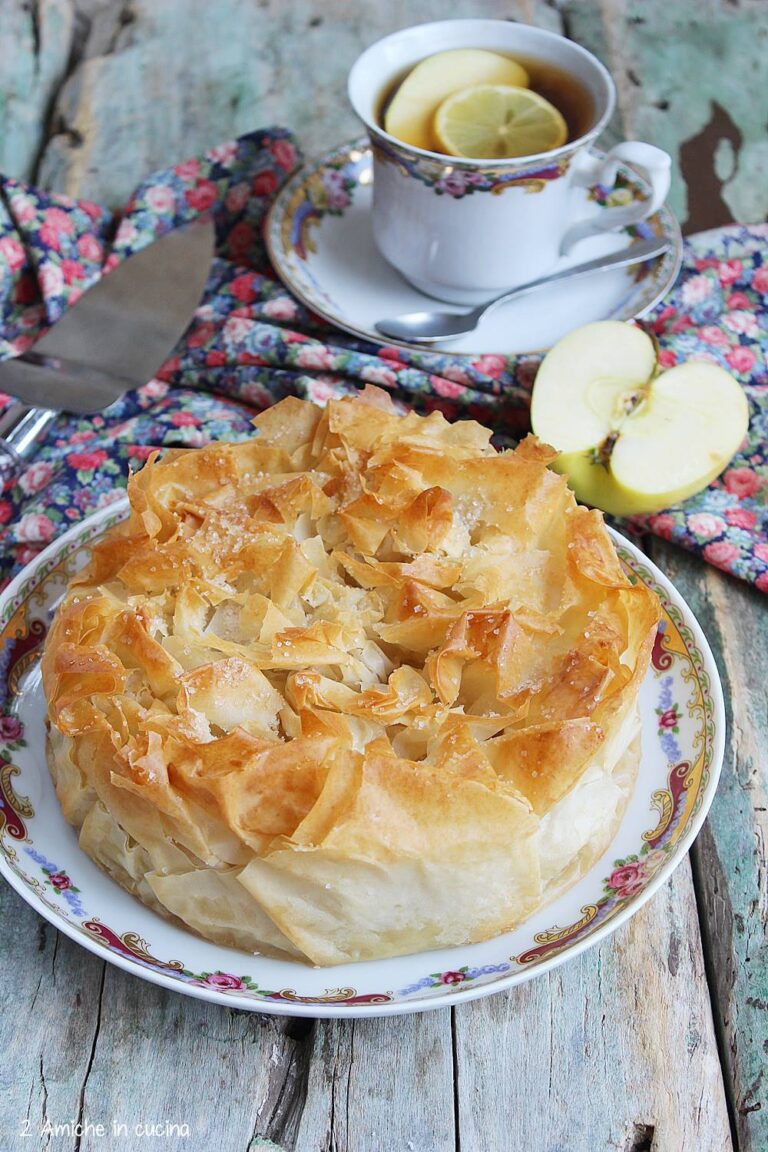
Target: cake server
[114, 338]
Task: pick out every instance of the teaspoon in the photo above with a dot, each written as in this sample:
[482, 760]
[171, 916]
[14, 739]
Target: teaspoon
[432, 327]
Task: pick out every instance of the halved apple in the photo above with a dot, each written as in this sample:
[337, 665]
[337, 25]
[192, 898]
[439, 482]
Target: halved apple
[631, 438]
[412, 108]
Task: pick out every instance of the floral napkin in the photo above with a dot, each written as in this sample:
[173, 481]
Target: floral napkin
[251, 343]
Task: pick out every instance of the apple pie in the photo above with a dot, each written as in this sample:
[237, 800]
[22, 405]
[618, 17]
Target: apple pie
[356, 687]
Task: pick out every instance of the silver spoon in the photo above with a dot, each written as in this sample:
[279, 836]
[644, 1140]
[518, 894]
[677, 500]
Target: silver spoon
[431, 327]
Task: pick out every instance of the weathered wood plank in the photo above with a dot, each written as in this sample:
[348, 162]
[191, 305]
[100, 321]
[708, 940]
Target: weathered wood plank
[158, 93]
[163, 1059]
[35, 42]
[730, 857]
[51, 992]
[691, 78]
[614, 1050]
[376, 1084]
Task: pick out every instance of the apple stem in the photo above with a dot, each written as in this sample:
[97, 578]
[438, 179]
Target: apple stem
[602, 453]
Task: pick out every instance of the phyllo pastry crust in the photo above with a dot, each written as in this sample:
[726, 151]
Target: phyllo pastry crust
[357, 687]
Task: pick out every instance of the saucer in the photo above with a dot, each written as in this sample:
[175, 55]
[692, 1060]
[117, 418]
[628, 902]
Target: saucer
[321, 244]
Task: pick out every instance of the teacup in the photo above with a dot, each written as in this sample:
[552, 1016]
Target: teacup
[463, 230]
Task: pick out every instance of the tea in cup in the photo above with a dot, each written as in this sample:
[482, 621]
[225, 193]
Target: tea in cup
[463, 227]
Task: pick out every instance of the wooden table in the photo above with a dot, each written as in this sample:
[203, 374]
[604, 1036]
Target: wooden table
[655, 1040]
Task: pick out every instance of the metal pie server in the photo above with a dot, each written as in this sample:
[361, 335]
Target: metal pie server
[113, 339]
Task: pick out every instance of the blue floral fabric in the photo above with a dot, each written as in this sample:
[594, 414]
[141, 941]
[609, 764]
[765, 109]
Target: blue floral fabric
[251, 343]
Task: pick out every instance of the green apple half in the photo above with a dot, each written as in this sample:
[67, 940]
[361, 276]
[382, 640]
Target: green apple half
[631, 438]
[412, 108]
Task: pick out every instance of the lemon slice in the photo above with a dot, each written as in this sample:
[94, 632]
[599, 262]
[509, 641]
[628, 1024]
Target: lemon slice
[412, 108]
[497, 122]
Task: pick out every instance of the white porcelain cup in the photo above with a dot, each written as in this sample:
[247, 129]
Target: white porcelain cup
[463, 230]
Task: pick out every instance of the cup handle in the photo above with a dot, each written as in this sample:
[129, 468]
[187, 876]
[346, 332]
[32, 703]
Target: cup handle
[652, 163]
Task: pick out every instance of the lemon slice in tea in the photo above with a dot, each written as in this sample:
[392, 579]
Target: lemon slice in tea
[498, 122]
[412, 108]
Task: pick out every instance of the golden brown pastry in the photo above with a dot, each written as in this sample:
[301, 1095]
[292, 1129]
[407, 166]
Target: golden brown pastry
[358, 687]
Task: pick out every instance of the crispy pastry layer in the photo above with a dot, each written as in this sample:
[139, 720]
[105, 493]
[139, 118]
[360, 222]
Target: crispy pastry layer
[357, 687]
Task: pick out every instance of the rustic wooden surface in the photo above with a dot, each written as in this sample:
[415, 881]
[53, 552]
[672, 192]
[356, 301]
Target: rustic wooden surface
[656, 1041]
[729, 859]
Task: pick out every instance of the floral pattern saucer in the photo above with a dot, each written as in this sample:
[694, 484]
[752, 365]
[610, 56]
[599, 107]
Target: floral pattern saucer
[320, 242]
[683, 726]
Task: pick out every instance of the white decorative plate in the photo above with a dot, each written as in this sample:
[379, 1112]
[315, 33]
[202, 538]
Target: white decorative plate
[683, 729]
[321, 244]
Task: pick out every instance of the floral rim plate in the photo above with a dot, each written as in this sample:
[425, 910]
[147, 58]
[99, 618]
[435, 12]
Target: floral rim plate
[321, 244]
[683, 729]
